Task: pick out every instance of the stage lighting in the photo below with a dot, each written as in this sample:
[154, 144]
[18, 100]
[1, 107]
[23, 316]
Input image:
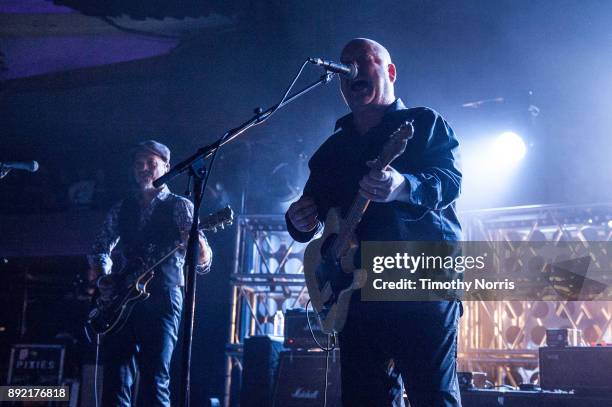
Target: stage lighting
[510, 147]
[492, 161]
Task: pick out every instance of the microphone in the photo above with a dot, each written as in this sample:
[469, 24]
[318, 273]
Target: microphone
[31, 166]
[349, 71]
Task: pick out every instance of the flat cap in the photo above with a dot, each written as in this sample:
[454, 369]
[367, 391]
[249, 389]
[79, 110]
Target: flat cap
[152, 146]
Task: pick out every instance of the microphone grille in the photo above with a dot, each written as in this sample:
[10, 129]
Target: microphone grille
[353, 74]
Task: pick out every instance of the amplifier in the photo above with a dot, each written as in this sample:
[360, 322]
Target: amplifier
[563, 337]
[260, 362]
[297, 331]
[582, 369]
[512, 398]
[471, 380]
[301, 380]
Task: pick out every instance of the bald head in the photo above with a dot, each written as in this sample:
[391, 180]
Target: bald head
[371, 45]
[373, 88]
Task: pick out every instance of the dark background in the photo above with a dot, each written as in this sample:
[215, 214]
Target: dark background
[555, 55]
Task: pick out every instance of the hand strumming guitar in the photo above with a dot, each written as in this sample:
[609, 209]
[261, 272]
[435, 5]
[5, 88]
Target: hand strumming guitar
[106, 286]
[303, 214]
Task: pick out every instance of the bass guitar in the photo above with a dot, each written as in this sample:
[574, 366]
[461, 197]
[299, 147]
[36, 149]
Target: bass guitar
[109, 315]
[329, 268]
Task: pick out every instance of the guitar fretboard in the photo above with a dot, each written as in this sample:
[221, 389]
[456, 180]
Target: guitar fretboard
[391, 150]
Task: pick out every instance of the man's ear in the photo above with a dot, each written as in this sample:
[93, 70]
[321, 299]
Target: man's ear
[392, 72]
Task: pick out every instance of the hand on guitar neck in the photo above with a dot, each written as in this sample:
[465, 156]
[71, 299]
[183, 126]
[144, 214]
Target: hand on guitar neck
[383, 185]
[204, 253]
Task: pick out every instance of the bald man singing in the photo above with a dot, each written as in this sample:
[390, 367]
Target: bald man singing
[414, 200]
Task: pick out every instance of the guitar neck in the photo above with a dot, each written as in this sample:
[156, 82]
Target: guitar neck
[393, 148]
[354, 215]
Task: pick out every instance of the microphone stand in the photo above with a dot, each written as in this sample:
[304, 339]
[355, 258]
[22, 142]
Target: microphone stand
[195, 165]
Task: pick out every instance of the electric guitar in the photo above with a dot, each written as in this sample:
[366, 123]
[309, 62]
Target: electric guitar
[329, 268]
[130, 283]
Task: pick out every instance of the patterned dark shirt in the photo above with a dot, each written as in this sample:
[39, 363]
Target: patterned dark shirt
[109, 235]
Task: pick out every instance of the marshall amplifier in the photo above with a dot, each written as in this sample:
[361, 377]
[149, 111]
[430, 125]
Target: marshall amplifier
[582, 369]
[297, 331]
[301, 380]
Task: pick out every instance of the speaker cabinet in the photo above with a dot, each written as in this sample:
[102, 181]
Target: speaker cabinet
[260, 362]
[494, 398]
[585, 370]
[301, 380]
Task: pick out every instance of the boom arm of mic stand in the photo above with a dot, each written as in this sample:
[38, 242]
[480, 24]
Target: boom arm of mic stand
[192, 249]
[258, 118]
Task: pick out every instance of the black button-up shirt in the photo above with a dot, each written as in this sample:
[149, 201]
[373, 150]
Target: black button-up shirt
[429, 165]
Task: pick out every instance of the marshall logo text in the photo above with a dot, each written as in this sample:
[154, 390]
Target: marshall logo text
[300, 393]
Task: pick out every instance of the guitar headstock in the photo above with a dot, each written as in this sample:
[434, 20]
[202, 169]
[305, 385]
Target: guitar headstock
[219, 219]
[396, 145]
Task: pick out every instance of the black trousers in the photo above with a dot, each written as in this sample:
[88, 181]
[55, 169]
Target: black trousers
[145, 343]
[417, 340]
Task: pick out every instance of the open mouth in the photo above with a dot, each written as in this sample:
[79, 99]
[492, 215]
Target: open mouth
[360, 85]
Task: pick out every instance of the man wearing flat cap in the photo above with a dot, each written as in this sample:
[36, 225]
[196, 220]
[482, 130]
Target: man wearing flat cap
[152, 217]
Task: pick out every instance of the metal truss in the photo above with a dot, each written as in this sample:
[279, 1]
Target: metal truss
[503, 337]
[499, 337]
[267, 277]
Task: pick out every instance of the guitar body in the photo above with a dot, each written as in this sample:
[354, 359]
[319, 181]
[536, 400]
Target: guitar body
[329, 262]
[331, 281]
[110, 316]
[131, 283]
